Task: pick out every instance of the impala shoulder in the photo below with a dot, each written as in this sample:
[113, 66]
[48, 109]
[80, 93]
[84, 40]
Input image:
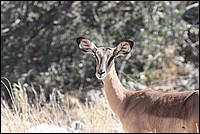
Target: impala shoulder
[192, 97]
[193, 93]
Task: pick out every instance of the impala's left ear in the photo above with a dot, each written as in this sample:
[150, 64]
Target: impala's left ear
[123, 48]
[86, 45]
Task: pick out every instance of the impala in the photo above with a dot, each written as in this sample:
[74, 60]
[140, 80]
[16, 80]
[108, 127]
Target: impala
[143, 110]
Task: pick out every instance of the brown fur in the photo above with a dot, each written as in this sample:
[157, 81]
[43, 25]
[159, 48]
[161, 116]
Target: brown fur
[161, 111]
[144, 110]
[152, 110]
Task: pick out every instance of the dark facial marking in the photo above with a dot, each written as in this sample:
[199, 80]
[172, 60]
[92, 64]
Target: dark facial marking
[96, 57]
[111, 58]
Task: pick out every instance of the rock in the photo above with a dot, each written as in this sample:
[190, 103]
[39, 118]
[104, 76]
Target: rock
[46, 128]
[74, 127]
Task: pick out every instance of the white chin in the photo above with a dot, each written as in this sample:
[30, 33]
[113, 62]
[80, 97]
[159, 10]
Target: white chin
[100, 77]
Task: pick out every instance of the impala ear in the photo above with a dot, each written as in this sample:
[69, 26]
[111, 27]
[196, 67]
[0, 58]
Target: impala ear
[123, 48]
[86, 45]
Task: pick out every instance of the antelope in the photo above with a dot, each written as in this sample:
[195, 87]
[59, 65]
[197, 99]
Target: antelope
[143, 110]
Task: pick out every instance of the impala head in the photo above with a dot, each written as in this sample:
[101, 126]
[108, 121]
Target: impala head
[104, 55]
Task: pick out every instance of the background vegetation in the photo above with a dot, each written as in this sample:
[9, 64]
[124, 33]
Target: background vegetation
[38, 47]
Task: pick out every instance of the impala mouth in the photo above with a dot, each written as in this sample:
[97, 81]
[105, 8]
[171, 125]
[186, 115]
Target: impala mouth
[101, 76]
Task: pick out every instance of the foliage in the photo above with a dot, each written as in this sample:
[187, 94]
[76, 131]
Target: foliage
[38, 41]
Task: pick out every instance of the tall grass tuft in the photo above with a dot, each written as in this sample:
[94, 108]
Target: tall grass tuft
[59, 111]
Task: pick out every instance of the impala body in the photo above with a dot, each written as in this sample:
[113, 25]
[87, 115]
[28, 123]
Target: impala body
[144, 110]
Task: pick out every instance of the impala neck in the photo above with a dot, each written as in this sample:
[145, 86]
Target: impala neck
[115, 92]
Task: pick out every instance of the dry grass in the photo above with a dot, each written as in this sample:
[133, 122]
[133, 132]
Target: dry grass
[61, 110]
[97, 117]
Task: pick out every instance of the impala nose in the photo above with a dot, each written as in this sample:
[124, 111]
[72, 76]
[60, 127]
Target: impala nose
[101, 71]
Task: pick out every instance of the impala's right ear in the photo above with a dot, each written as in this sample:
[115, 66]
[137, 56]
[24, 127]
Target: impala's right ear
[86, 45]
[123, 48]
